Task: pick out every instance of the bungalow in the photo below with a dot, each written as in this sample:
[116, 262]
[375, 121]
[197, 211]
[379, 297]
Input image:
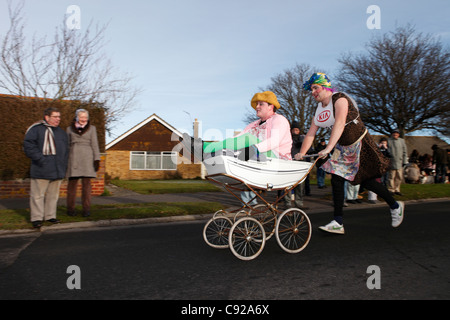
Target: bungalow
[150, 150]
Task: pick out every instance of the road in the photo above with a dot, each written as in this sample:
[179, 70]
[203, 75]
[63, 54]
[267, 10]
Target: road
[171, 261]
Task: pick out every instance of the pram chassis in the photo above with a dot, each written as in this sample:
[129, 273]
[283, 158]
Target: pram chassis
[246, 229]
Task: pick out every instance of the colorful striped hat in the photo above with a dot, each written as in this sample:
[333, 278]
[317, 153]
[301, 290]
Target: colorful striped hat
[317, 78]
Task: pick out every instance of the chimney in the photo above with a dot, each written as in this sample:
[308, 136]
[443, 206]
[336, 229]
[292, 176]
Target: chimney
[196, 128]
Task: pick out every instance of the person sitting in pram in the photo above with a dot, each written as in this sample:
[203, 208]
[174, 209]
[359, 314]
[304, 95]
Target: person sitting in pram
[270, 136]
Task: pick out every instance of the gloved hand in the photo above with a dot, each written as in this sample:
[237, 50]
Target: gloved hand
[96, 165]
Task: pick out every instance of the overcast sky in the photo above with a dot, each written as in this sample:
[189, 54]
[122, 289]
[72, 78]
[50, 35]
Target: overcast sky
[206, 58]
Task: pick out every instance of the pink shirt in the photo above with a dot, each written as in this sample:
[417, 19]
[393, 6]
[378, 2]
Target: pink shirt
[275, 135]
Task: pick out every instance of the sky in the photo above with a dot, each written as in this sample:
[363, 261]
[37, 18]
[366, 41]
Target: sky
[205, 59]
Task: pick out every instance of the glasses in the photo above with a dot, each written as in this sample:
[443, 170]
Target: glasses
[55, 116]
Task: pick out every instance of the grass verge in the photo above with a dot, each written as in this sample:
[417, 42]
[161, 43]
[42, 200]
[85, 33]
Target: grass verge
[20, 218]
[414, 191]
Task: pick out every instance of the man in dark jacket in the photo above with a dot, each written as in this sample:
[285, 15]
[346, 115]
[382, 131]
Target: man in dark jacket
[320, 172]
[299, 191]
[440, 158]
[46, 144]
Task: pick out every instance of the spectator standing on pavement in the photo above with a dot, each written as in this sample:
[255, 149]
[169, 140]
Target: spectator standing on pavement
[307, 184]
[84, 161]
[384, 149]
[397, 147]
[299, 191]
[440, 158]
[46, 145]
[352, 193]
[372, 197]
[320, 172]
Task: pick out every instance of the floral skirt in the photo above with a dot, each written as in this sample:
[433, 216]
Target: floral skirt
[358, 162]
[344, 161]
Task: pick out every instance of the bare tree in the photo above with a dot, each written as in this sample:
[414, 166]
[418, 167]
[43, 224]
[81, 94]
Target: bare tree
[402, 82]
[296, 103]
[72, 67]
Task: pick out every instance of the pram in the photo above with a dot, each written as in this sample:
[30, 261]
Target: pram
[246, 229]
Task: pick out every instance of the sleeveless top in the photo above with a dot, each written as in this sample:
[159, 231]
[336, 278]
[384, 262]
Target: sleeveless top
[354, 127]
[356, 156]
[324, 116]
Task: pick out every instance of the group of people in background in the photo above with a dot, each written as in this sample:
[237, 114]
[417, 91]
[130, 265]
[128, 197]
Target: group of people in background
[57, 154]
[426, 168]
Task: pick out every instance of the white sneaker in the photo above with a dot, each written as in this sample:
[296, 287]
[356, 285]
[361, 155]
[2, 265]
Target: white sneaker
[398, 214]
[333, 227]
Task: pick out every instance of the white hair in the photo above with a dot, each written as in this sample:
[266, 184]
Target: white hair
[81, 111]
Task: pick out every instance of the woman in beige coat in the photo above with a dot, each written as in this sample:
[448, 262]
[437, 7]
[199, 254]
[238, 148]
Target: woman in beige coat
[84, 161]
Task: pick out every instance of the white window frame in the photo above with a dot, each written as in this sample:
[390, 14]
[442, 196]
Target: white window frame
[160, 156]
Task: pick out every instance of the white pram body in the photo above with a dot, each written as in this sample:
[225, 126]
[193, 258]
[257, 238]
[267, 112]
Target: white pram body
[270, 174]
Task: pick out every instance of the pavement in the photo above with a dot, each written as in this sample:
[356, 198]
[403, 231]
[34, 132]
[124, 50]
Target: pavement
[319, 201]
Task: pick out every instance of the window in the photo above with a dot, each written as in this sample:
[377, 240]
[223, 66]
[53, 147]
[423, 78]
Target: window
[142, 160]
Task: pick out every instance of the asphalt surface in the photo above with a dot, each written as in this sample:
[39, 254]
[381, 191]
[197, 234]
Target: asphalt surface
[167, 259]
[171, 261]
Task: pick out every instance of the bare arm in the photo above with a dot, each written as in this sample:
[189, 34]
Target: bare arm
[307, 142]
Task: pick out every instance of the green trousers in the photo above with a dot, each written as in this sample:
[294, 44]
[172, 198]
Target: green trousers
[236, 143]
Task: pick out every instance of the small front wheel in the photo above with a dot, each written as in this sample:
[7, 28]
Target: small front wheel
[247, 238]
[293, 230]
[216, 230]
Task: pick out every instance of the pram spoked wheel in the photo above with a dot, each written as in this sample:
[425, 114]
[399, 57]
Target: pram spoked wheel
[293, 230]
[216, 230]
[247, 238]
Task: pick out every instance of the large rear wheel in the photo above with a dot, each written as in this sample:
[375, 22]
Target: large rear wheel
[247, 238]
[293, 230]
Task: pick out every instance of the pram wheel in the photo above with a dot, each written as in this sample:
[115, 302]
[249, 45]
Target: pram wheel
[216, 230]
[266, 216]
[293, 230]
[247, 238]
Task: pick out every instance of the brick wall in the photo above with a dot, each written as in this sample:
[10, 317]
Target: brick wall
[20, 188]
